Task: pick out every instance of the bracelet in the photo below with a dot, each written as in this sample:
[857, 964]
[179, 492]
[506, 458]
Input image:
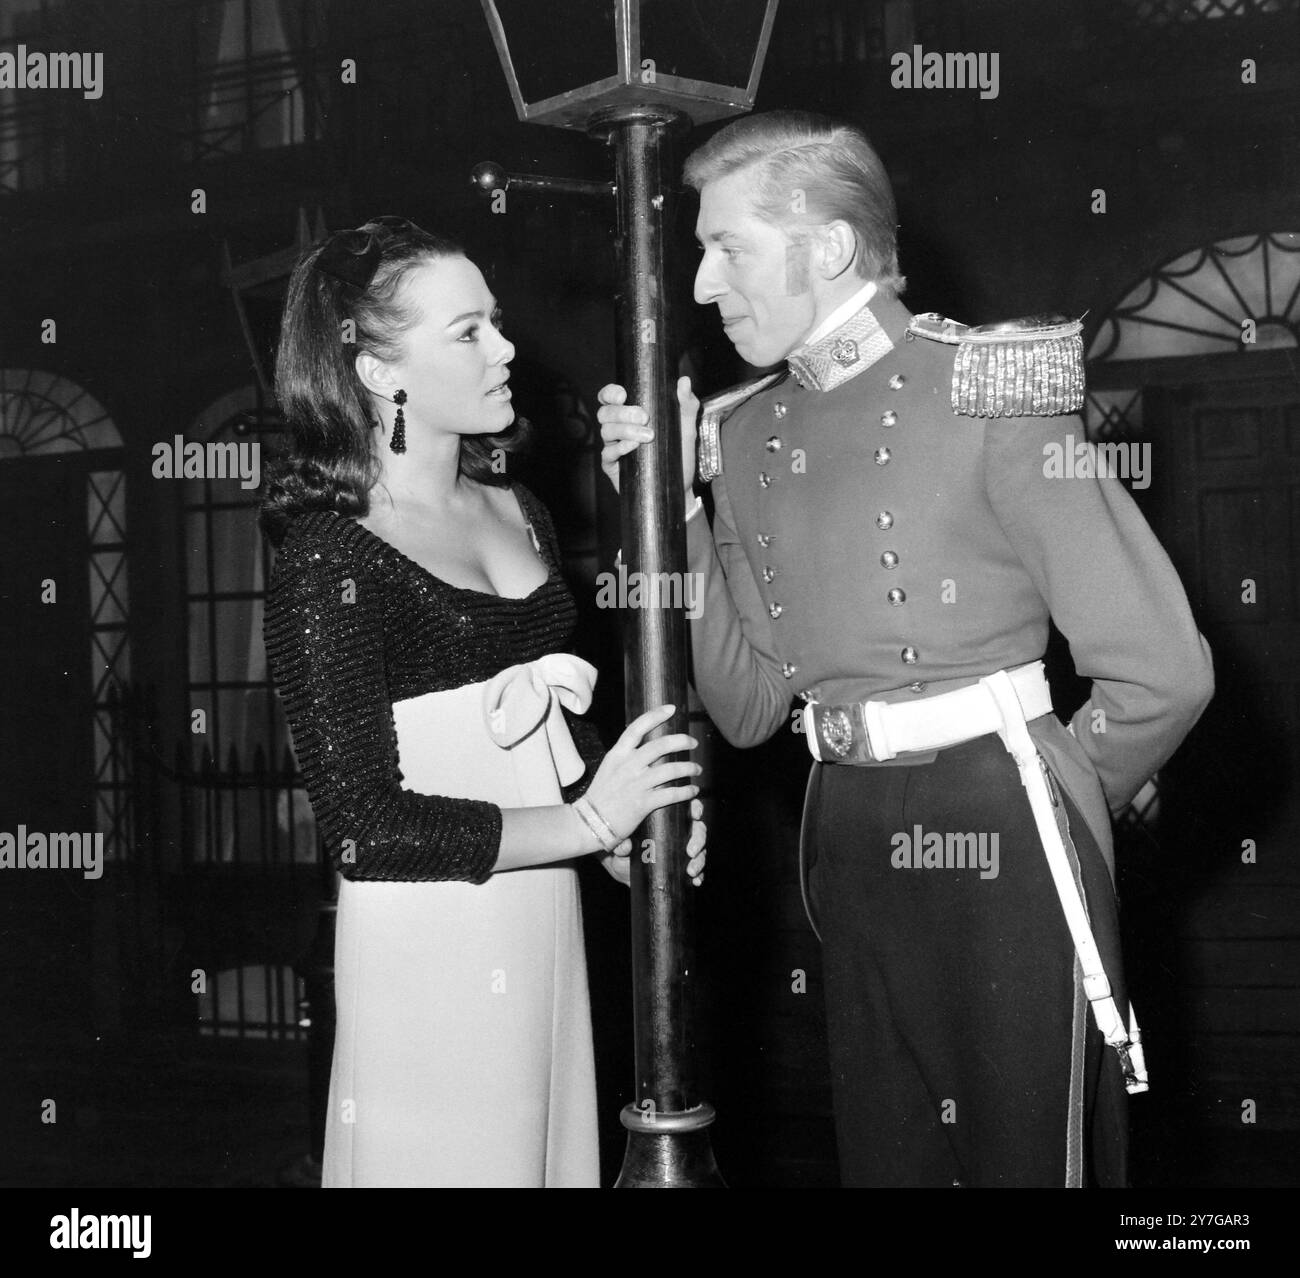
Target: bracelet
[596, 823]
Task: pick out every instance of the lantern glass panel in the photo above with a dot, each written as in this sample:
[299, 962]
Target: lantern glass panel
[559, 45]
[711, 40]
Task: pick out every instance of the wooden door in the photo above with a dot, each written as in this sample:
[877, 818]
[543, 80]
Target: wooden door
[45, 737]
[1219, 903]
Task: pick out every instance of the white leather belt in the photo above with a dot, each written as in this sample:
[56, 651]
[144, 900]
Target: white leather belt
[1003, 702]
[873, 731]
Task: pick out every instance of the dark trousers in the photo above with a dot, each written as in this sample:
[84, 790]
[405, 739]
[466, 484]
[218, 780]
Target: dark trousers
[954, 1017]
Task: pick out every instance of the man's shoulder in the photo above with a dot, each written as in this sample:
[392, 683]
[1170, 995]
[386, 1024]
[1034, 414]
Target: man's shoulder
[718, 408]
[1027, 367]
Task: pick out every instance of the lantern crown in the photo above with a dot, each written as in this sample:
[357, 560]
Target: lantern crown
[567, 60]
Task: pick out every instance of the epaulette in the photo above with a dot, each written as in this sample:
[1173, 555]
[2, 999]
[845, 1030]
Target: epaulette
[1030, 367]
[715, 410]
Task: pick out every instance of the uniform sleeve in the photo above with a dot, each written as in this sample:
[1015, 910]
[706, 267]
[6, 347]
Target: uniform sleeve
[737, 673]
[327, 658]
[1112, 593]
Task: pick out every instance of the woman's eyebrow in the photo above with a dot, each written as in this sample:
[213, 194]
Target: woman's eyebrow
[496, 306]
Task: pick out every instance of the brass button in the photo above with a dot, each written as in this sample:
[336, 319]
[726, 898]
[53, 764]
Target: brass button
[896, 382]
[889, 418]
[765, 539]
[916, 687]
[789, 670]
[882, 456]
[889, 560]
[897, 596]
[774, 611]
[774, 444]
[779, 409]
[910, 656]
[764, 480]
[768, 572]
[884, 521]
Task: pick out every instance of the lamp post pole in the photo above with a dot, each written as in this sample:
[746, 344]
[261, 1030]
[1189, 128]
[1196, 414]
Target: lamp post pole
[668, 1139]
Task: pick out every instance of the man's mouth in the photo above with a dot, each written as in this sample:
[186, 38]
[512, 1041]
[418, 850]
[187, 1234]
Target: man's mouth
[730, 321]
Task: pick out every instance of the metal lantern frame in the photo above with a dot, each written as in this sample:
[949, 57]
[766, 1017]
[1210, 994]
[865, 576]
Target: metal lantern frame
[668, 1138]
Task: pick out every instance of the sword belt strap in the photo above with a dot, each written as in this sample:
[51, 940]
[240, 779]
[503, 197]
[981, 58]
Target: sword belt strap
[1003, 702]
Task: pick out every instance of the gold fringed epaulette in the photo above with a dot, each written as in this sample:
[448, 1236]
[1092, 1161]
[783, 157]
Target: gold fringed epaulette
[1030, 367]
[715, 410]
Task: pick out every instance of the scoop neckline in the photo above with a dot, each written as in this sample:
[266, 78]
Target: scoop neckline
[551, 572]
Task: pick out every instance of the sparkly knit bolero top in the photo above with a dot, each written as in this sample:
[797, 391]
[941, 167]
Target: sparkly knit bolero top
[352, 625]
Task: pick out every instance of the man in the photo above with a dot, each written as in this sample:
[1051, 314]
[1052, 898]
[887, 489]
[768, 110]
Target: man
[890, 536]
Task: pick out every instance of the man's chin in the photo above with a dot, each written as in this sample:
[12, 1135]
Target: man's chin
[756, 356]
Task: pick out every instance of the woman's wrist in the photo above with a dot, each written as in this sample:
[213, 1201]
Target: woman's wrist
[600, 829]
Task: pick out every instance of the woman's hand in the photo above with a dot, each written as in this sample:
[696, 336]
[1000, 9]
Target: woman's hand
[631, 780]
[623, 427]
[619, 861]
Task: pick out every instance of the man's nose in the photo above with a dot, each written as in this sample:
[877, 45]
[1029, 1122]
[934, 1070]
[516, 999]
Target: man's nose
[708, 288]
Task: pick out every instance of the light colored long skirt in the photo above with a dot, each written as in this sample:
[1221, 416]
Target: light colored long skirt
[463, 1054]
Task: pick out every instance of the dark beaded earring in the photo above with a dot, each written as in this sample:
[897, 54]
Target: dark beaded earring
[398, 441]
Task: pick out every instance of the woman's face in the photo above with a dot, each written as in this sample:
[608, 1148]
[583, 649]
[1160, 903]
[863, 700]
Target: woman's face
[455, 363]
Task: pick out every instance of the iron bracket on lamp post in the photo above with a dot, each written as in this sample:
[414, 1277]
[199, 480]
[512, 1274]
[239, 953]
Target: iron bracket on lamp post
[639, 102]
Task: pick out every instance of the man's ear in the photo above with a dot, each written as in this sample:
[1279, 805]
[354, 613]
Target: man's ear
[837, 249]
[375, 375]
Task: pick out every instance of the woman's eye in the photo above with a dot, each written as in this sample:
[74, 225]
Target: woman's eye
[469, 335]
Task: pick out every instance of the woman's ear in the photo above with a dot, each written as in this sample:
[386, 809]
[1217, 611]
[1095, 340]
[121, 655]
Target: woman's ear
[375, 375]
[838, 249]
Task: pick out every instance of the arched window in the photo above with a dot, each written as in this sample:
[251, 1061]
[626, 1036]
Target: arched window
[249, 822]
[1235, 296]
[41, 414]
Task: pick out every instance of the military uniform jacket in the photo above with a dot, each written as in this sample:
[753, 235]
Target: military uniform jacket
[870, 542]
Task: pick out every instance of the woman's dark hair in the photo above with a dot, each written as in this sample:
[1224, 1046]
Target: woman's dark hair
[343, 299]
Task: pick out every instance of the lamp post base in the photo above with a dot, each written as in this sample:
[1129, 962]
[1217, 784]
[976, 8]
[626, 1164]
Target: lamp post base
[670, 1151]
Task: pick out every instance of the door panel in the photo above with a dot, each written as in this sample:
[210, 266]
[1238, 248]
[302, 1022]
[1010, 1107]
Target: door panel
[45, 736]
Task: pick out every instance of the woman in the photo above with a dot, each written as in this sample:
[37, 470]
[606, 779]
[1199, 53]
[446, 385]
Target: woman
[416, 626]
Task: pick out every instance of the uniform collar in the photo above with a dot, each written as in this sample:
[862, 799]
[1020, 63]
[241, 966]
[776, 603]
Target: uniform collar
[852, 338]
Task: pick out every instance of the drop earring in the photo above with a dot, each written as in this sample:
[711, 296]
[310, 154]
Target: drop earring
[398, 442]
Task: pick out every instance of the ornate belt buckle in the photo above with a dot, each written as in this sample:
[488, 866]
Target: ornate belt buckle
[837, 731]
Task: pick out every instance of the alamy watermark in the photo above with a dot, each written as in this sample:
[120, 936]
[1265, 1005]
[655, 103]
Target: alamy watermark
[36, 851]
[36, 70]
[623, 589]
[933, 70]
[922, 850]
[1084, 460]
[191, 460]
[95, 1233]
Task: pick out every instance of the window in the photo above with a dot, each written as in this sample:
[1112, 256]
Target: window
[42, 413]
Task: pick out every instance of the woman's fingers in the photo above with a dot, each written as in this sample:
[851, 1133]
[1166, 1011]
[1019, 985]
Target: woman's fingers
[664, 772]
[643, 723]
[611, 393]
[674, 743]
[665, 796]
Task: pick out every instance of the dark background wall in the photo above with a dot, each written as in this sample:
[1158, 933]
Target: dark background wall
[1143, 100]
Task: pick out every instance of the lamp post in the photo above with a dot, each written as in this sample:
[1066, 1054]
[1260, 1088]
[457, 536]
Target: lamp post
[638, 72]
